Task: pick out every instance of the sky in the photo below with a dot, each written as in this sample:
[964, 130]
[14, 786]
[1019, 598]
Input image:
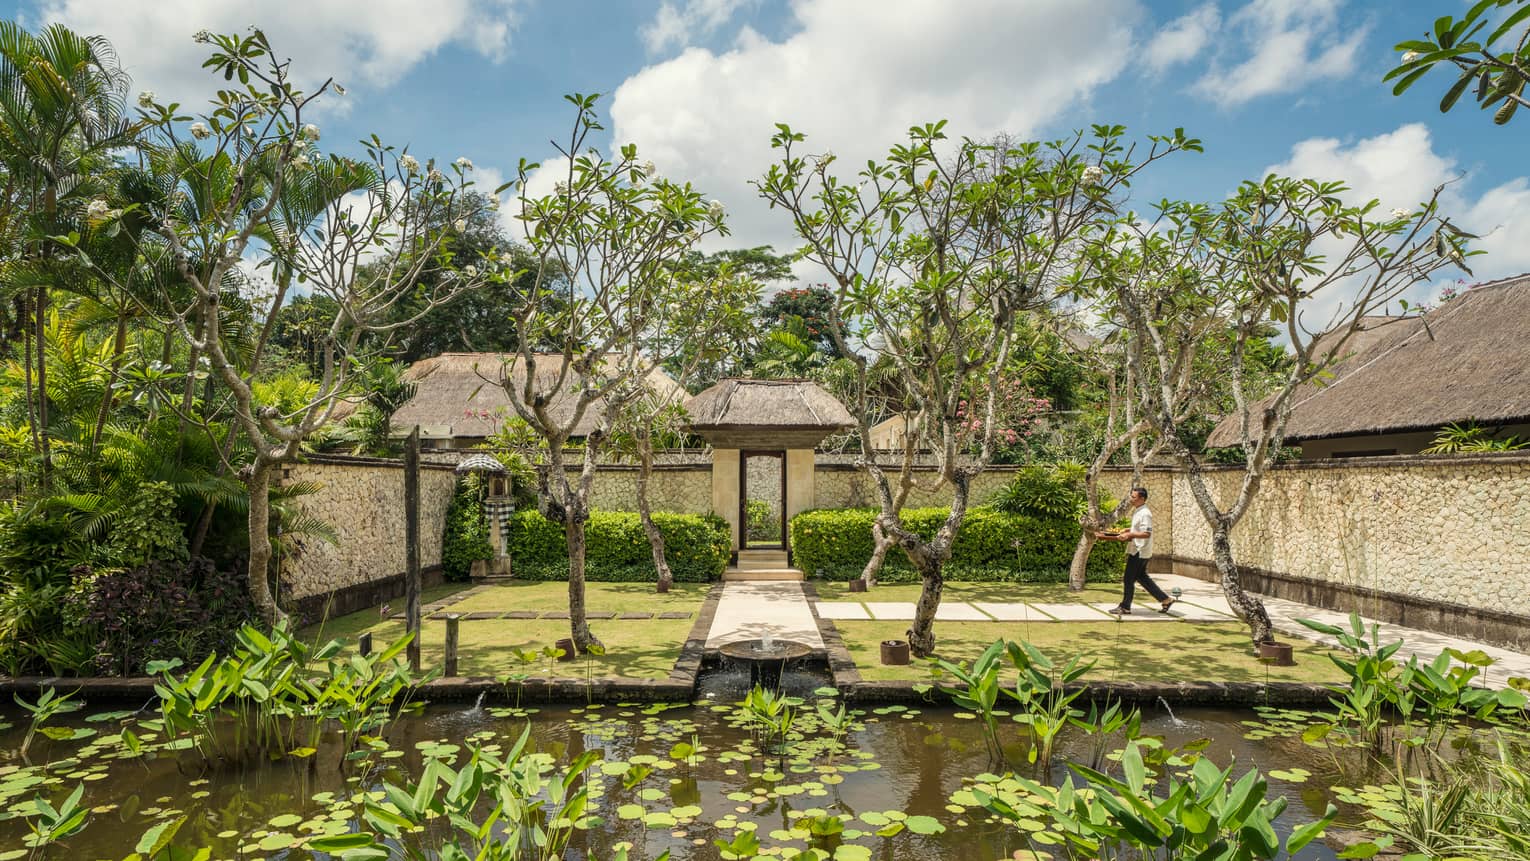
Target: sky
[1290, 86]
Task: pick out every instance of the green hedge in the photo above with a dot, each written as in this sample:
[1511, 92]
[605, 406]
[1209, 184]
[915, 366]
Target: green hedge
[617, 551]
[835, 544]
[466, 538]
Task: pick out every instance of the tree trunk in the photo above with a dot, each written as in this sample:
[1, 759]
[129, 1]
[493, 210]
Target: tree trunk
[921, 633]
[259, 484]
[574, 520]
[1249, 609]
[1078, 569]
[878, 554]
[42, 386]
[645, 514]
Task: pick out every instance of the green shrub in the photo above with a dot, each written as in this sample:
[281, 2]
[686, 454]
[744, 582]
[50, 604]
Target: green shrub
[467, 534]
[991, 546]
[617, 550]
[1043, 491]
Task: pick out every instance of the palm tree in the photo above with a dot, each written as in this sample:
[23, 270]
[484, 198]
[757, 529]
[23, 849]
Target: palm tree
[61, 111]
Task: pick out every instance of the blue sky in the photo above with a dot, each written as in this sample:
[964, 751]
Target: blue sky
[1293, 85]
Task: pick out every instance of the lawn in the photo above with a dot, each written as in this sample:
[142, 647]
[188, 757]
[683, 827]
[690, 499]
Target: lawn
[1123, 651]
[636, 649]
[1046, 593]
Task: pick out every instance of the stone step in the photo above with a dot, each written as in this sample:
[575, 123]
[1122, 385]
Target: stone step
[734, 575]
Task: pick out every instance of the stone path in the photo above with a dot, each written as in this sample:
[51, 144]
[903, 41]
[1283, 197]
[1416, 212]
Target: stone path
[751, 610]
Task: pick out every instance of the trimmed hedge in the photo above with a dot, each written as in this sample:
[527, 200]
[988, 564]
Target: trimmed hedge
[835, 544]
[617, 551]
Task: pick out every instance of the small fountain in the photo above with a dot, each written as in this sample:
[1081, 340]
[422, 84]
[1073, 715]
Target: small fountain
[765, 658]
[1172, 719]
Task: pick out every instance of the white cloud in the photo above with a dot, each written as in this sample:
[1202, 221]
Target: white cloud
[1286, 45]
[360, 43]
[1401, 169]
[678, 26]
[1184, 38]
[854, 76]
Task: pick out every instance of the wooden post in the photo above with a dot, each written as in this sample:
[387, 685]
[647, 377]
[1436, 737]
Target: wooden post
[412, 545]
[451, 643]
[364, 644]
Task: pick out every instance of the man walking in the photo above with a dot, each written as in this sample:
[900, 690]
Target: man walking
[1138, 552]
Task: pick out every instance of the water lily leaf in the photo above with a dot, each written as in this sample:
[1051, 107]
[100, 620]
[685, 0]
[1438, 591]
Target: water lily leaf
[630, 811]
[924, 825]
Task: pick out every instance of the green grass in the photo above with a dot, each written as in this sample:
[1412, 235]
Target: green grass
[1123, 651]
[639, 649]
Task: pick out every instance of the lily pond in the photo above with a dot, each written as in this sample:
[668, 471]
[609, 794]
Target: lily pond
[236, 759]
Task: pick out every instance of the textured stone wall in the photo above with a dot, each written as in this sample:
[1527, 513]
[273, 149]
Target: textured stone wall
[1453, 530]
[681, 489]
[363, 500]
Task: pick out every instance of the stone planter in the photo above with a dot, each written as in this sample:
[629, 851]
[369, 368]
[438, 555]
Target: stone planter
[858, 585]
[895, 653]
[567, 645]
[1278, 654]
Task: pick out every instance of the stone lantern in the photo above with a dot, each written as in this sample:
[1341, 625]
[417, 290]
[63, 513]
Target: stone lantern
[497, 507]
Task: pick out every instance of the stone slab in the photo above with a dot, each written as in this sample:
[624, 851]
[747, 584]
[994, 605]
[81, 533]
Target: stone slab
[891, 610]
[556, 614]
[752, 610]
[1189, 612]
[1012, 612]
[842, 610]
[522, 614]
[960, 611]
[1140, 612]
[674, 615]
[605, 614]
[484, 614]
[1074, 612]
[1215, 603]
[632, 617]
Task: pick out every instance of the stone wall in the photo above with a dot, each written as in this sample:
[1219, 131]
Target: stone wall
[363, 500]
[684, 489]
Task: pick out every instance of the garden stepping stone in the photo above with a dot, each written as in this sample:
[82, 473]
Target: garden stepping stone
[891, 610]
[842, 610]
[1215, 603]
[1195, 610]
[1143, 612]
[1012, 612]
[556, 614]
[484, 614]
[634, 616]
[600, 614]
[522, 614]
[960, 611]
[1076, 612]
[674, 615]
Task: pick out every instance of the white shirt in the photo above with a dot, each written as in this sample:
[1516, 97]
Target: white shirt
[1142, 521]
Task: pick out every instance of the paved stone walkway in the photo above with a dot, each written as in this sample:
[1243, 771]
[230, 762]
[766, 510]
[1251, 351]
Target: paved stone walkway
[751, 610]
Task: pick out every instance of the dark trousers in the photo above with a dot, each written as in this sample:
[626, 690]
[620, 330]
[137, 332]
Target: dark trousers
[1136, 570]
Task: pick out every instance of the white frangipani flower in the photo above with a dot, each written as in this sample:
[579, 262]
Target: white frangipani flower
[494, 203]
[560, 187]
[146, 99]
[470, 271]
[409, 163]
[1401, 213]
[311, 132]
[434, 175]
[1410, 57]
[715, 209]
[649, 169]
[460, 225]
[1093, 175]
[97, 209]
[823, 161]
[464, 163]
[200, 131]
[299, 159]
[203, 36]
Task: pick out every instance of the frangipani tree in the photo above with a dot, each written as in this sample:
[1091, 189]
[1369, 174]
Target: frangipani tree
[242, 190]
[606, 245]
[935, 255]
[1267, 256]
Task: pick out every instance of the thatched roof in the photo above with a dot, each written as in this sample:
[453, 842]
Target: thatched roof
[744, 413]
[463, 394]
[1467, 359]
